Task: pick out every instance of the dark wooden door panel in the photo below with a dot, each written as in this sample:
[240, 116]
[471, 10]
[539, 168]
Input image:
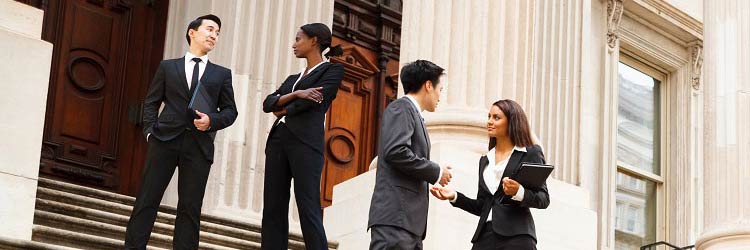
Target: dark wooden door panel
[370, 33]
[348, 131]
[104, 55]
[349, 126]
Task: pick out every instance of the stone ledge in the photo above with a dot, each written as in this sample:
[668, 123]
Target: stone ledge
[21, 18]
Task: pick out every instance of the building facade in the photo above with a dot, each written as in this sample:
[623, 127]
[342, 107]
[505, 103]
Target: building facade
[640, 105]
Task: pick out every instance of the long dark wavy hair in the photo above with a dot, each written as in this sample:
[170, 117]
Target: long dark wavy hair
[518, 125]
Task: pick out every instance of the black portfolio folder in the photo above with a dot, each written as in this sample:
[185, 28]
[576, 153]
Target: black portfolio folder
[199, 101]
[533, 175]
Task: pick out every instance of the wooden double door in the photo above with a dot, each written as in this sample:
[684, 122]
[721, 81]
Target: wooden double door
[105, 55]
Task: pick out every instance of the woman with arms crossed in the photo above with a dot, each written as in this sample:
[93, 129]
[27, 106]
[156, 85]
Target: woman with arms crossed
[294, 148]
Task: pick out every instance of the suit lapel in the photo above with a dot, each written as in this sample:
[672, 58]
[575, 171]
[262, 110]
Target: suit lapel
[483, 163]
[210, 68]
[421, 121]
[513, 162]
[289, 84]
[180, 67]
[206, 73]
[309, 75]
[426, 136]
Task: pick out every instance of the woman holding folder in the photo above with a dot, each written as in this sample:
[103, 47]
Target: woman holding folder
[502, 204]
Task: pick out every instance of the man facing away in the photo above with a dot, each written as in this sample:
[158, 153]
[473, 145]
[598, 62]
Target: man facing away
[398, 210]
[198, 101]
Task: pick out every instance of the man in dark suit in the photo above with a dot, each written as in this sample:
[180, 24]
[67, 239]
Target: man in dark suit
[398, 211]
[182, 135]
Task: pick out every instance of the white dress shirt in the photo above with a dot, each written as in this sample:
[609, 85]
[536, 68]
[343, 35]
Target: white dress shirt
[419, 111]
[493, 175]
[302, 74]
[190, 64]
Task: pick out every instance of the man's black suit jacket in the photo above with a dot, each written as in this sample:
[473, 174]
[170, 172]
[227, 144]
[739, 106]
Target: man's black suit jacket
[171, 88]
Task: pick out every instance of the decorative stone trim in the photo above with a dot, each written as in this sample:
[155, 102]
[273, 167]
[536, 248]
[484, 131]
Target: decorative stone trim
[696, 61]
[614, 15]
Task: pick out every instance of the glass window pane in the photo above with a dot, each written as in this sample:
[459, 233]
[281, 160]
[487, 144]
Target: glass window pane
[638, 119]
[636, 208]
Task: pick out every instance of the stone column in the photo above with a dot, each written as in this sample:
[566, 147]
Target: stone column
[726, 209]
[255, 43]
[529, 51]
[25, 69]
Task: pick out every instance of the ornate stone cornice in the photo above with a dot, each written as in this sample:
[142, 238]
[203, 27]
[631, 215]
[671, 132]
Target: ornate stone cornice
[614, 15]
[675, 15]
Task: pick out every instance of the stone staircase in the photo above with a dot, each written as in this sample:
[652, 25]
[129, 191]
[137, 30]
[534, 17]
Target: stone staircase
[69, 216]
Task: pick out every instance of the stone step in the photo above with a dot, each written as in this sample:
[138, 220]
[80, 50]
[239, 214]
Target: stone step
[83, 240]
[77, 240]
[84, 208]
[122, 204]
[97, 206]
[210, 232]
[128, 202]
[15, 244]
[208, 241]
[86, 191]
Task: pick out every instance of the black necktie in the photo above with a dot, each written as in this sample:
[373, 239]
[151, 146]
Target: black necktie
[194, 82]
[194, 79]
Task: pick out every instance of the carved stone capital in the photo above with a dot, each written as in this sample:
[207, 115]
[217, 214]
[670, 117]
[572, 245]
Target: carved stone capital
[696, 61]
[614, 15]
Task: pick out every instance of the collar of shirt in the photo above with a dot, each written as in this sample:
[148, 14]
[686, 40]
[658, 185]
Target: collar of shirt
[491, 154]
[189, 57]
[302, 74]
[313, 68]
[416, 105]
[190, 65]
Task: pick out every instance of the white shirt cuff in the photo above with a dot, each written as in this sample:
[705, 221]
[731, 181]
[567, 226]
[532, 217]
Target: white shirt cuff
[455, 198]
[149, 134]
[519, 194]
[437, 182]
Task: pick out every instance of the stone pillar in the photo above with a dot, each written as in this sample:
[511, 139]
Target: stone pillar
[25, 69]
[255, 43]
[529, 51]
[726, 209]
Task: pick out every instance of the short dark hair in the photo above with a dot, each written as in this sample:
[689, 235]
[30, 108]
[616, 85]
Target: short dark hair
[193, 25]
[519, 131]
[323, 34]
[416, 73]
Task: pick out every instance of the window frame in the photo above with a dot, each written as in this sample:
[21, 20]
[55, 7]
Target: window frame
[659, 180]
